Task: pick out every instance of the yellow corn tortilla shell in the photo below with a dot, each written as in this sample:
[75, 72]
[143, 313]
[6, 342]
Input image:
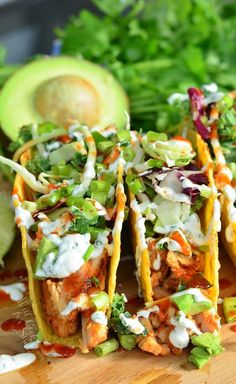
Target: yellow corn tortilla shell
[212, 265]
[46, 332]
[225, 222]
[121, 200]
[142, 258]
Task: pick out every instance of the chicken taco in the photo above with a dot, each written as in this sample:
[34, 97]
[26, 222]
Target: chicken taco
[69, 205]
[174, 214]
[212, 114]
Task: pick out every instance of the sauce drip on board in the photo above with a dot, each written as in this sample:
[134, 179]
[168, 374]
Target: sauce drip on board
[59, 349]
[233, 328]
[13, 325]
[4, 296]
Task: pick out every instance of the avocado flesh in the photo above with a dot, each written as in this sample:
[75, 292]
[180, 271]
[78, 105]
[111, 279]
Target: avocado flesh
[61, 89]
[206, 346]
[199, 357]
[46, 246]
[229, 307]
[186, 304]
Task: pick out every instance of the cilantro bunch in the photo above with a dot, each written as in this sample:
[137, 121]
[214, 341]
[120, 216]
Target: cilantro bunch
[157, 47]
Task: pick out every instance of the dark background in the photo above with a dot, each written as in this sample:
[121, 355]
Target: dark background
[26, 26]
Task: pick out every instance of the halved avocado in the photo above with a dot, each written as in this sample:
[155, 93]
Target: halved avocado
[60, 88]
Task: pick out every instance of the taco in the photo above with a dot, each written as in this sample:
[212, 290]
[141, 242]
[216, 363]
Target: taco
[69, 205]
[213, 115]
[174, 214]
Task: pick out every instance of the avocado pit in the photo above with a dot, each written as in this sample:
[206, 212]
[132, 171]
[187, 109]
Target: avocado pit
[68, 97]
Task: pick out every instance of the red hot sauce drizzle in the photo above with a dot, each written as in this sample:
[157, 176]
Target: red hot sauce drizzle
[13, 325]
[62, 350]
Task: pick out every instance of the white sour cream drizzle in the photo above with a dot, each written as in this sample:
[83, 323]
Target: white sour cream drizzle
[113, 167]
[99, 317]
[146, 312]
[139, 225]
[228, 191]
[172, 245]
[191, 228]
[202, 188]
[32, 344]
[22, 216]
[10, 363]
[69, 258]
[177, 97]
[168, 192]
[193, 232]
[195, 292]
[179, 337]
[157, 262]
[100, 244]
[79, 302]
[213, 94]
[55, 145]
[60, 226]
[138, 159]
[88, 175]
[15, 291]
[212, 87]
[133, 324]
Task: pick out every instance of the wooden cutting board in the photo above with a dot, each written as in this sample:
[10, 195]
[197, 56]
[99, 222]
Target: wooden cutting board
[121, 367]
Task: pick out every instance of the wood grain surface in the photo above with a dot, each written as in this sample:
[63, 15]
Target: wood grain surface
[121, 367]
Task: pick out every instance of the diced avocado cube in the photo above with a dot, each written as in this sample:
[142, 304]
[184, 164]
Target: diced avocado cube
[89, 211]
[200, 307]
[229, 308]
[209, 341]
[183, 302]
[199, 357]
[46, 246]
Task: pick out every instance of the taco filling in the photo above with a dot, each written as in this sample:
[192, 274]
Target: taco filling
[69, 203]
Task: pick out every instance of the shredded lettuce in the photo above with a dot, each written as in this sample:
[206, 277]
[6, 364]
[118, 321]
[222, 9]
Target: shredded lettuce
[41, 139]
[28, 177]
[172, 152]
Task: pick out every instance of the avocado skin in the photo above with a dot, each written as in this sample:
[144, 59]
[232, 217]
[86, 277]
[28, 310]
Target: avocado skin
[18, 96]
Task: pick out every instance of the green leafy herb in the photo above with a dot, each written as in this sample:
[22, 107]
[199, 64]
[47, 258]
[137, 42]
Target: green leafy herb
[81, 222]
[166, 49]
[118, 307]
[95, 281]
[38, 164]
[6, 70]
[25, 134]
